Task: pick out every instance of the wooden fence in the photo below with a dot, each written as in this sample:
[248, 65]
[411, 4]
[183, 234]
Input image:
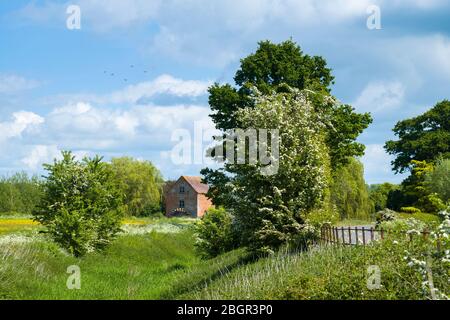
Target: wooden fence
[355, 235]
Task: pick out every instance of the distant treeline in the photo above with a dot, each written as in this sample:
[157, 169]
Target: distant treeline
[140, 183]
[19, 193]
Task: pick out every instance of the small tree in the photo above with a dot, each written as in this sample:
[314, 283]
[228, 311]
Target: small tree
[80, 204]
[216, 233]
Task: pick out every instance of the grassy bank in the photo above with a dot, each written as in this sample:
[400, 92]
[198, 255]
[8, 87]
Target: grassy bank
[157, 260]
[134, 267]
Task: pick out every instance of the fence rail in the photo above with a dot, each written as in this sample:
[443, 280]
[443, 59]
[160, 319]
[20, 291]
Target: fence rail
[355, 235]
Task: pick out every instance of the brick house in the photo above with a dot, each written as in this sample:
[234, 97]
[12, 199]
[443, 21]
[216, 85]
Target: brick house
[187, 196]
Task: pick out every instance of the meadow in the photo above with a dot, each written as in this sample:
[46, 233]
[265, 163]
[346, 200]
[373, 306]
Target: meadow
[155, 259]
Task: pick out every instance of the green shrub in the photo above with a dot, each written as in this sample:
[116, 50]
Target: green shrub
[318, 217]
[401, 226]
[425, 217]
[385, 215]
[80, 205]
[215, 233]
[431, 203]
[410, 210]
[438, 180]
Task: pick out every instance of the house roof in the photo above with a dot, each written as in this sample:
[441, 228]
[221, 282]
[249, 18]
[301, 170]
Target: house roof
[196, 184]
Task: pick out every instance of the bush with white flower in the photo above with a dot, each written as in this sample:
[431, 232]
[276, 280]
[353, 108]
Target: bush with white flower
[271, 210]
[429, 256]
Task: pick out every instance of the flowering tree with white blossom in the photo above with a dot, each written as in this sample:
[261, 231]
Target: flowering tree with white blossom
[272, 210]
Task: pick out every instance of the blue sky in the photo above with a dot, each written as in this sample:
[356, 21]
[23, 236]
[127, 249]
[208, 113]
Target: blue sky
[57, 90]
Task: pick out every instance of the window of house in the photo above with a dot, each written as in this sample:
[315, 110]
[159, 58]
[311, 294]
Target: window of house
[182, 204]
[181, 189]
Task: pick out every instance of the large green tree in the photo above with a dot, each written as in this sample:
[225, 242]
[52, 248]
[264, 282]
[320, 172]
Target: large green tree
[272, 67]
[141, 184]
[271, 207]
[422, 138]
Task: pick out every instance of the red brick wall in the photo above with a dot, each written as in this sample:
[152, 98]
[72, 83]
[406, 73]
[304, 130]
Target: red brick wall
[195, 204]
[174, 196]
[204, 203]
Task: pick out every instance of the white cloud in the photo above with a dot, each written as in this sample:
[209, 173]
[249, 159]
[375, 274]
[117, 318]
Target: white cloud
[164, 84]
[105, 15]
[217, 32]
[420, 4]
[10, 83]
[98, 15]
[21, 121]
[431, 52]
[379, 97]
[37, 155]
[91, 125]
[40, 154]
[136, 93]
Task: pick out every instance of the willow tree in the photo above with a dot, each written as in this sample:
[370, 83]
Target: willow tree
[141, 184]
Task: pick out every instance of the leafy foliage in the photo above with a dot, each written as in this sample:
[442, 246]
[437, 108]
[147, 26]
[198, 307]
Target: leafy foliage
[141, 184]
[19, 193]
[380, 195]
[349, 193]
[273, 67]
[80, 204]
[416, 191]
[438, 180]
[384, 216]
[410, 210]
[216, 233]
[423, 138]
[271, 210]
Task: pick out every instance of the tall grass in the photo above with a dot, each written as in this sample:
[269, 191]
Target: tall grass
[163, 265]
[134, 267]
[328, 273]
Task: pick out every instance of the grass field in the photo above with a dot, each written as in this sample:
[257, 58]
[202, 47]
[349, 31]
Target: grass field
[155, 259]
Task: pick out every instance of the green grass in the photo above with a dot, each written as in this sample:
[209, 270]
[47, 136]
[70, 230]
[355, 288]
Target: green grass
[162, 264]
[425, 217]
[326, 273]
[134, 267]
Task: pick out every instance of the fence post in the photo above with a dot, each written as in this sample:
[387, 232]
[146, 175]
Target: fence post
[330, 240]
[356, 236]
[382, 234]
[371, 234]
[343, 235]
[336, 231]
[364, 235]
[332, 235]
[349, 235]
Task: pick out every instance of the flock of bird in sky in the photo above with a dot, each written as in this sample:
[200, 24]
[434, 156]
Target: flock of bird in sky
[112, 74]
